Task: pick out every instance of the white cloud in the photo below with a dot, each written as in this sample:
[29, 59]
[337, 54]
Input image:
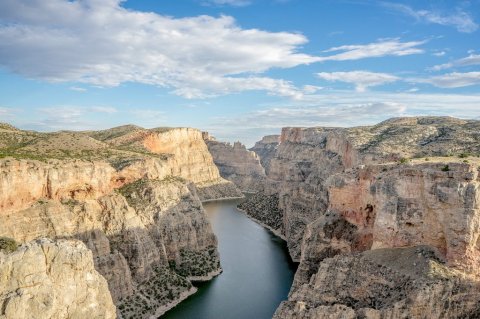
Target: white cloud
[235, 3]
[472, 59]
[69, 117]
[343, 108]
[78, 89]
[102, 43]
[452, 80]
[388, 47]
[102, 109]
[361, 79]
[6, 112]
[439, 53]
[148, 117]
[459, 19]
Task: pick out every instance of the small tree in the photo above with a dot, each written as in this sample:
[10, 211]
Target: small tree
[8, 245]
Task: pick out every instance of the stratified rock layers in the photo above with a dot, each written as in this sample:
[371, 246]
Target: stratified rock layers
[237, 164]
[343, 192]
[266, 149]
[139, 213]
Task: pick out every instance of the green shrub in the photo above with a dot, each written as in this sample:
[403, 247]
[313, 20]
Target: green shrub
[8, 245]
[464, 155]
[446, 168]
[404, 160]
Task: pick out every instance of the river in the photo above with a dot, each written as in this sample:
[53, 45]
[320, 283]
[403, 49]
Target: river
[257, 270]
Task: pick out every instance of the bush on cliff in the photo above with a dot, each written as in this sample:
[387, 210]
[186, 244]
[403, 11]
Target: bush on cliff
[8, 245]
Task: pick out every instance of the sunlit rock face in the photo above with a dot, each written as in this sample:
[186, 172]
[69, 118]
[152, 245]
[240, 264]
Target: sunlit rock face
[237, 164]
[384, 283]
[53, 279]
[265, 149]
[402, 183]
[133, 196]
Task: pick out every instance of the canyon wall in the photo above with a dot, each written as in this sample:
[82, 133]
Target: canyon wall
[237, 164]
[52, 280]
[135, 201]
[265, 149]
[343, 193]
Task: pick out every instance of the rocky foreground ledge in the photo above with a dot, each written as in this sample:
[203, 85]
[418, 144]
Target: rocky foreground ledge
[132, 196]
[384, 219]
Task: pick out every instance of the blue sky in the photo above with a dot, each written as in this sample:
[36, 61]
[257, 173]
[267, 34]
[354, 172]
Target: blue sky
[240, 69]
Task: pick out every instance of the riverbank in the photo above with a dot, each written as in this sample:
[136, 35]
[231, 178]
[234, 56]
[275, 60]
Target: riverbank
[257, 270]
[274, 231]
[184, 295]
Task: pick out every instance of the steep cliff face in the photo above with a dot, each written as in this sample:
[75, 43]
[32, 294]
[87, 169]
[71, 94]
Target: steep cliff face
[307, 157]
[384, 284]
[237, 164]
[346, 191]
[135, 203]
[298, 172]
[265, 149]
[402, 205]
[47, 279]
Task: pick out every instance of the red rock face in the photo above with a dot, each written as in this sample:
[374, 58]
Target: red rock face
[412, 205]
[24, 182]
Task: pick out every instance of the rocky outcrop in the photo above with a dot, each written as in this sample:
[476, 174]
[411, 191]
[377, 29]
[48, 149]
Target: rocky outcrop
[52, 280]
[422, 202]
[401, 183]
[265, 149]
[134, 200]
[237, 164]
[307, 157]
[384, 284]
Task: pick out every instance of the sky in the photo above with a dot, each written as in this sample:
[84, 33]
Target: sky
[240, 69]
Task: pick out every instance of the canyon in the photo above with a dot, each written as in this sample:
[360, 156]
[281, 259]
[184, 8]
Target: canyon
[132, 196]
[383, 220]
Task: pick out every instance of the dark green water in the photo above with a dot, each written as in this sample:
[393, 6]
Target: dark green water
[257, 271]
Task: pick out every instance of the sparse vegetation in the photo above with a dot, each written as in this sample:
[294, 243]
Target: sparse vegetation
[446, 168]
[8, 245]
[163, 288]
[404, 160]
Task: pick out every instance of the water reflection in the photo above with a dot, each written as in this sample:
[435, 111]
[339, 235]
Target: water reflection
[257, 271]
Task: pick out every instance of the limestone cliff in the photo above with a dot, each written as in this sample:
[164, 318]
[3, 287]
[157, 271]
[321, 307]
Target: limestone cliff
[133, 196]
[307, 157]
[52, 280]
[265, 149]
[401, 183]
[237, 164]
[384, 284]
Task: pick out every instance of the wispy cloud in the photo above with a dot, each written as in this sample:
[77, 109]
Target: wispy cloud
[69, 117]
[78, 89]
[361, 79]
[459, 19]
[104, 44]
[235, 3]
[6, 112]
[381, 48]
[439, 53]
[102, 109]
[343, 108]
[451, 80]
[148, 117]
[472, 59]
